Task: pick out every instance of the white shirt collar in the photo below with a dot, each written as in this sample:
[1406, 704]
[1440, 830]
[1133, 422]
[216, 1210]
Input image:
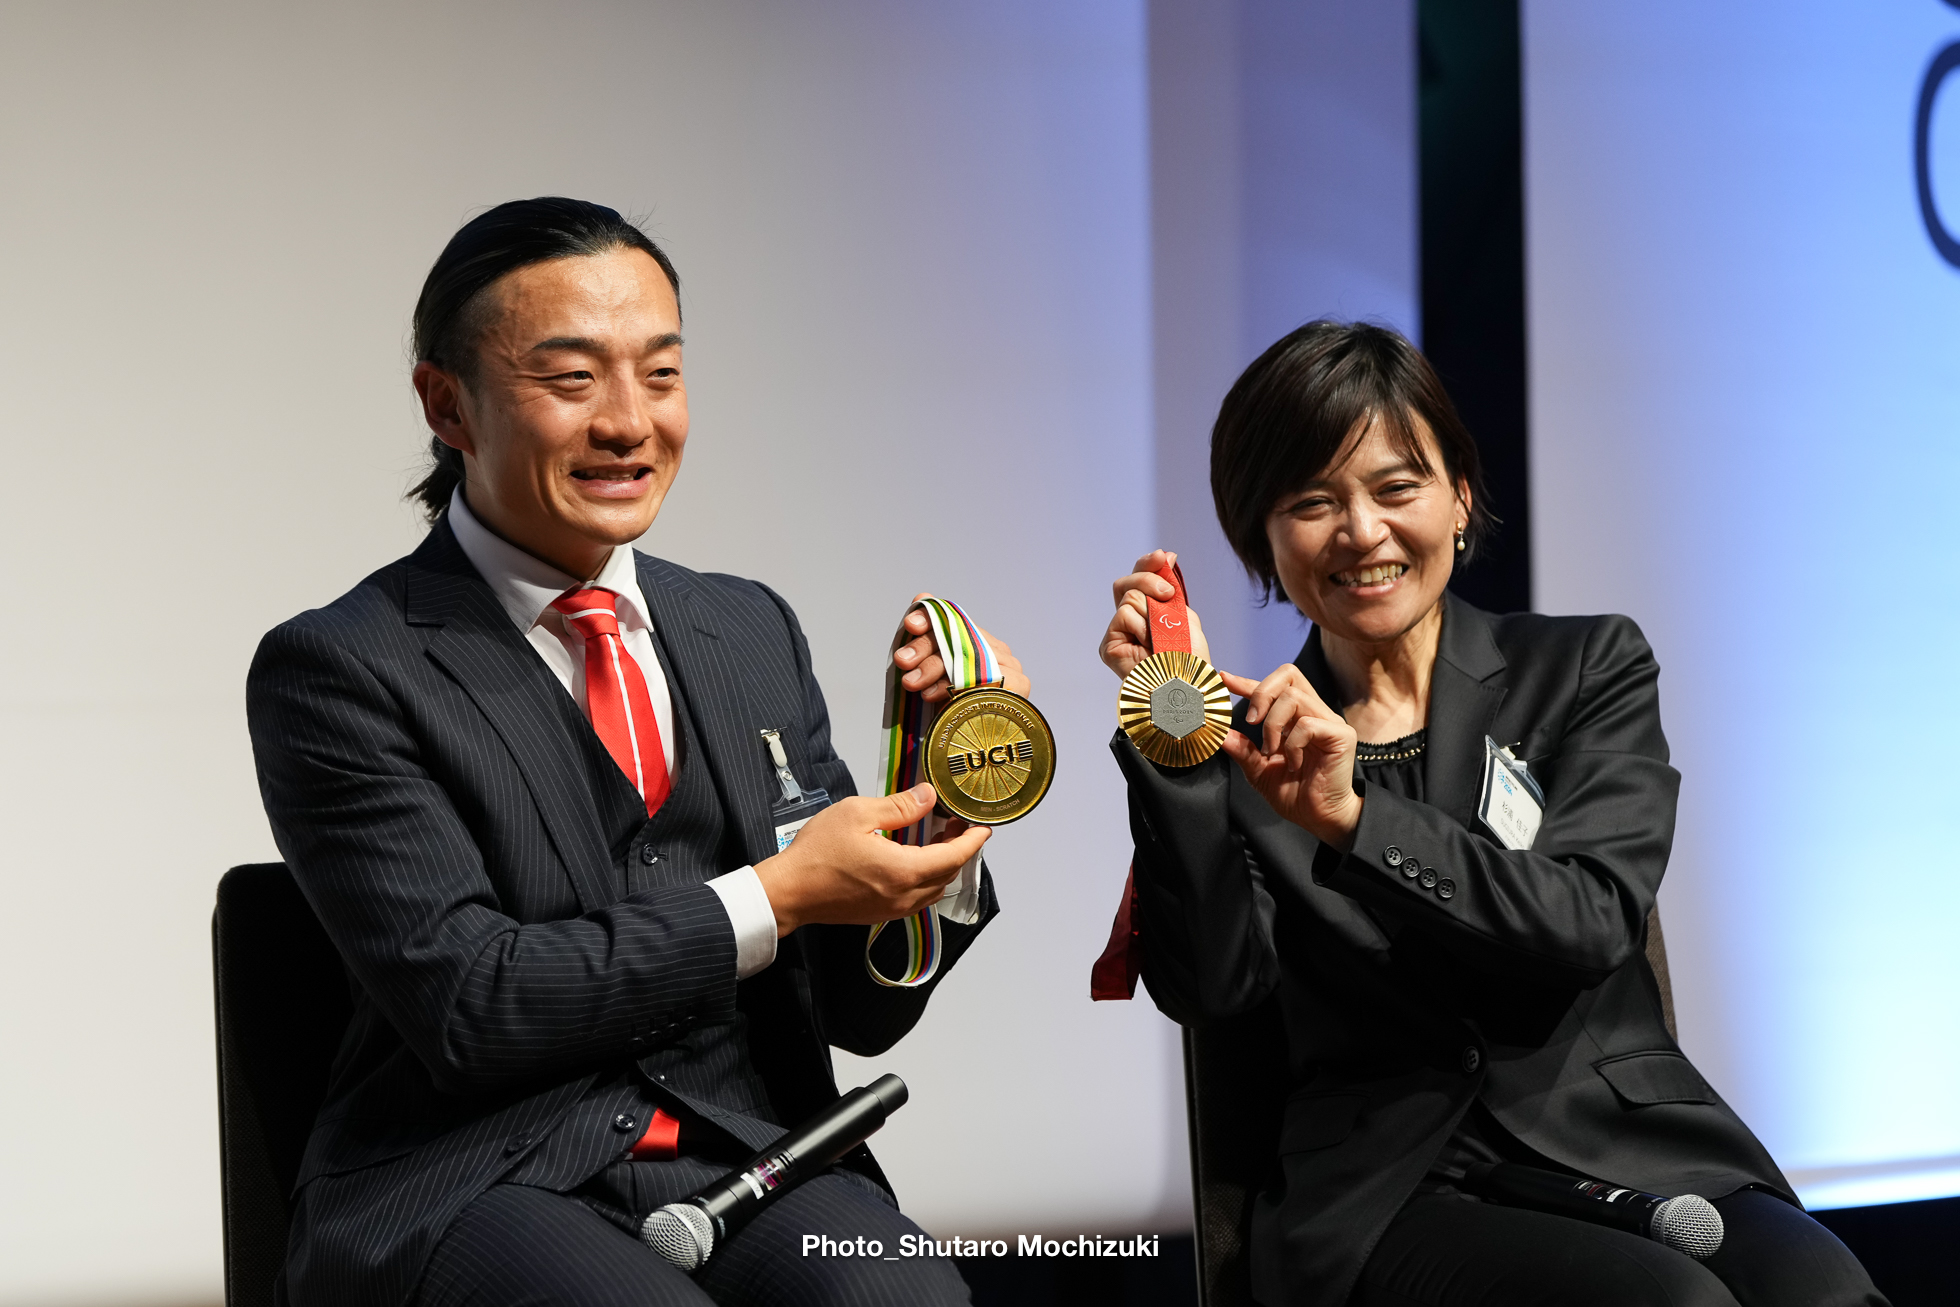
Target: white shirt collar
[526, 585]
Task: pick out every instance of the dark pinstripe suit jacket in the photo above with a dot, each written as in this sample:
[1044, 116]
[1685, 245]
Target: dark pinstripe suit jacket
[430, 784]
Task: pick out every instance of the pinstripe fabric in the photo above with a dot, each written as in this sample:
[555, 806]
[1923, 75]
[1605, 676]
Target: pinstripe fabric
[707, 1062]
[454, 823]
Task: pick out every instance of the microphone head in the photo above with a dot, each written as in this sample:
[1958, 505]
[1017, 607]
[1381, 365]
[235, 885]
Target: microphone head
[682, 1233]
[1688, 1224]
[891, 1092]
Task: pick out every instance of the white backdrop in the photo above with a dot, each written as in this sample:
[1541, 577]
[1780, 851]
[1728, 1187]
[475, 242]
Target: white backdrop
[1744, 406]
[916, 248]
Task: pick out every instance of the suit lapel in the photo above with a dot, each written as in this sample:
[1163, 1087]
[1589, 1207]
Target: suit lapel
[702, 669]
[538, 722]
[1465, 692]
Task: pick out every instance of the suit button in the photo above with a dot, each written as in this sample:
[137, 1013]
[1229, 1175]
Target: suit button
[1392, 856]
[1428, 878]
[623, 1122]
[517, 1144]
[647, 855]
[1411, 869]
[1445, 889]
[1472, 1059]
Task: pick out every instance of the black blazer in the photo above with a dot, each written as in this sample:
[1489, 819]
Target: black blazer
[432, 787]
[1528, 985]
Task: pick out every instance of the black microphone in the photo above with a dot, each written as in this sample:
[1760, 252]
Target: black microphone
[688, 1232]
[1688, 1224]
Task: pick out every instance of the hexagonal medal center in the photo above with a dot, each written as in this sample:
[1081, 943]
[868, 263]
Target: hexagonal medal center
[1177, 707]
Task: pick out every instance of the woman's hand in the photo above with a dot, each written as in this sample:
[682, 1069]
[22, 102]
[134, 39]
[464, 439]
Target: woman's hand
[1303, 760]
[1127, 641]
[925, 670]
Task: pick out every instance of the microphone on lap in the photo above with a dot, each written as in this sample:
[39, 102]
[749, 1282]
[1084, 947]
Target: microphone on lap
[687, 1233]
[1688, 1224]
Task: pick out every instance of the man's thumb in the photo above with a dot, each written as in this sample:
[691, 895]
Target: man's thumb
[907, 806]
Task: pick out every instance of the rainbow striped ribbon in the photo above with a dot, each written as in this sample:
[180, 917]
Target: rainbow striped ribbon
[969, 663]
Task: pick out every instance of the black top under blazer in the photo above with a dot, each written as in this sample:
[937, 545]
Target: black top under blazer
[1527, 987]
[432, 786]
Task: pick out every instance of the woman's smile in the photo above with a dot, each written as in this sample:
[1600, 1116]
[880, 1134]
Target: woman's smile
[1377, 579]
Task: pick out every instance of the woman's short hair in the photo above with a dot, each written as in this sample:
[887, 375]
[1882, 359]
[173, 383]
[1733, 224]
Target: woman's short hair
[1292, 413]
[454, 307]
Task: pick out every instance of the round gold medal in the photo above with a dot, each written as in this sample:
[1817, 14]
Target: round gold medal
[1175, 709]
[990, 756]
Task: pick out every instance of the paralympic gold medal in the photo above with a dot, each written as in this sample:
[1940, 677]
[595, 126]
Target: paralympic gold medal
[1173, 704]
[1175, 709]
[990, 756]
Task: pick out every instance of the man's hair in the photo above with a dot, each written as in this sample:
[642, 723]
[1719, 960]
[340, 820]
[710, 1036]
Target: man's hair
[455, 304]
[1294, 411]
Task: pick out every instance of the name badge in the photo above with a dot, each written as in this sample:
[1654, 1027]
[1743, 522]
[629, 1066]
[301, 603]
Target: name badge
[792, 817]
[798, 805]
[1512, 805]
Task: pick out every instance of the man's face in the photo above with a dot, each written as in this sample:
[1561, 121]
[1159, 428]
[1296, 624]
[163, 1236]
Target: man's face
[573, 427]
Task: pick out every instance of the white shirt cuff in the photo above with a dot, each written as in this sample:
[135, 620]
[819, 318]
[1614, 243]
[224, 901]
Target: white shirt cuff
[754, 920]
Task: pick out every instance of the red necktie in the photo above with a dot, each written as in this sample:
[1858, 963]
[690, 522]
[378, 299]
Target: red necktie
[616, 698]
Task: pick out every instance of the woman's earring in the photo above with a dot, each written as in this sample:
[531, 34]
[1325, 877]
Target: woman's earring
[1459, 539]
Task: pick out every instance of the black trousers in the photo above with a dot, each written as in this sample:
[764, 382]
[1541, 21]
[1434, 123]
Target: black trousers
[1443, 1250]
[518, 1246]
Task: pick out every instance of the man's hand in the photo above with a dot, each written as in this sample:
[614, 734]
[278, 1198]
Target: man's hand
[839, 870]
[926, 670]
[1303, 761]
[1127, 641]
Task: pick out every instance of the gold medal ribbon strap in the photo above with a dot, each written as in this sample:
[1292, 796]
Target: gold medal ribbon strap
[1170, 619]
[970, 663]
[1176, 710]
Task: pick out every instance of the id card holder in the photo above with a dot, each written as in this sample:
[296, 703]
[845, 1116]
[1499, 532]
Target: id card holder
[790, 817]
[1511, 806]
[797, 804]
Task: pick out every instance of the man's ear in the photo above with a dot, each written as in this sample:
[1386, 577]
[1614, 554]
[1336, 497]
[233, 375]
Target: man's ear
[441, 392]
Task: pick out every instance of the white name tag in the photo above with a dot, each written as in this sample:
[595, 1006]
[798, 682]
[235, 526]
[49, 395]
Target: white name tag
[793, 817]
[1510, 804]
[787, 832]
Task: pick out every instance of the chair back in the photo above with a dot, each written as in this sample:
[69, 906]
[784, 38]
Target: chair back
[283, 1006]
[1234, 1097]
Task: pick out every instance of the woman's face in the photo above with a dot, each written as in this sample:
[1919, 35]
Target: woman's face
[1366, 549]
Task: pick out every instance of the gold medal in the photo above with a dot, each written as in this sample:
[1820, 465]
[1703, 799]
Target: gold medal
[1173, 704]
[990, 756]
[1175, 709]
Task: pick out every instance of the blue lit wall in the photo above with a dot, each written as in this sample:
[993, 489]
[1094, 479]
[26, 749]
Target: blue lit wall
[1745, 372]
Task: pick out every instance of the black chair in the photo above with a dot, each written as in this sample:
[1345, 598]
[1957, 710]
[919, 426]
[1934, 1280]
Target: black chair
[1234, 1094]
[283, 1006]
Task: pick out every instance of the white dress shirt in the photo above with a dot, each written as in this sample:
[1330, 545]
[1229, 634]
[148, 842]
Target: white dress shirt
[526, 586]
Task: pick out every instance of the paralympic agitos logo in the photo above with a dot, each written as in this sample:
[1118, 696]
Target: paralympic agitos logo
[1943, 65]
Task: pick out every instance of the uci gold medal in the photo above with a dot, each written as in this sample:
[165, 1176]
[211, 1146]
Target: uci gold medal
[1173, 704]
[990, 756]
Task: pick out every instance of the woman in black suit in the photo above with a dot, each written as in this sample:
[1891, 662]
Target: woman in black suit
[1446, 1000]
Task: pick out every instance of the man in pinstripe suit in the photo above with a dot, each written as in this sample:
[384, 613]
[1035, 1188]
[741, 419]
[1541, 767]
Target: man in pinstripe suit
[520, 777]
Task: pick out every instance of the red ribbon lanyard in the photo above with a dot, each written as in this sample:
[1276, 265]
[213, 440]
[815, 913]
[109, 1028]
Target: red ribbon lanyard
[1170, 619]
[1114, 975]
